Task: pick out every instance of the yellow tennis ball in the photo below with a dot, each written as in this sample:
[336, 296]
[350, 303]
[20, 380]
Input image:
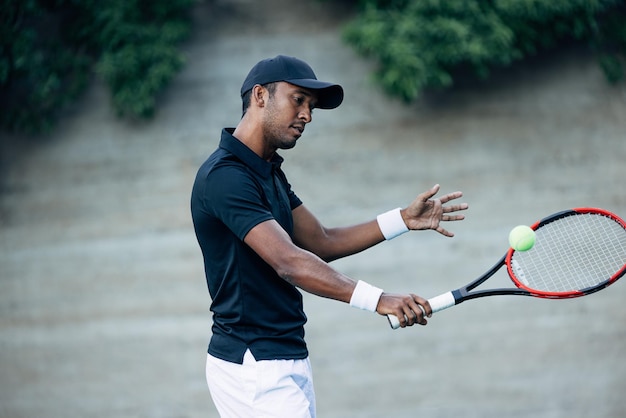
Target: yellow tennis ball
[522, 238]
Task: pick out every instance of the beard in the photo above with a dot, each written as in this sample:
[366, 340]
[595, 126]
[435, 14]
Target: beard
[277, 135]
[278, 138]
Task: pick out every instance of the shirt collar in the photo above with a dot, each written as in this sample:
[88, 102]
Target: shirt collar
[247, 156]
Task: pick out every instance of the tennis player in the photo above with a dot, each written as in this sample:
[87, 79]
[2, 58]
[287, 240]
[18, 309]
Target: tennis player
[261, 246]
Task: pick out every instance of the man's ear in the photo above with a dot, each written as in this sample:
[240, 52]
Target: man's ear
[258, 93]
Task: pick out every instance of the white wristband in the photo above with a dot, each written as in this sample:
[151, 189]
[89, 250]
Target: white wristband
[391, 224]
[365, 296]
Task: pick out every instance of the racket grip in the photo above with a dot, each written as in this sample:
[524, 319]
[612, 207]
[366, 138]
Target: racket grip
[438, 303]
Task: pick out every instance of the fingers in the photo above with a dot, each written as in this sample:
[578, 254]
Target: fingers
[416, 311]
[450, 196]
[448, 214]
[452, 218]
[444, 232]
[429, 193]
[425, 196]
[409, 309]
[455, 208]
[427, 212]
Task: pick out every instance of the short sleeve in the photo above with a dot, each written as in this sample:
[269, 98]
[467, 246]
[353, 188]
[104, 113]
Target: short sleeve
[231, 195]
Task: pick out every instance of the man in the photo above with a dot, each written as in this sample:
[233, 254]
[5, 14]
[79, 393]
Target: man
[260, 244]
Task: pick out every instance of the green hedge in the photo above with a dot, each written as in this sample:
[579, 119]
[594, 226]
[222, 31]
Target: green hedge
[422, 44]
[49, 50]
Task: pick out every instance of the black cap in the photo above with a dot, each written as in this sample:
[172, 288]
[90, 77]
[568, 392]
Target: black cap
[297, 72]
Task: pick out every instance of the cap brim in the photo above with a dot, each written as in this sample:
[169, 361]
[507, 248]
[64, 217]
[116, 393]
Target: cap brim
[329, 95]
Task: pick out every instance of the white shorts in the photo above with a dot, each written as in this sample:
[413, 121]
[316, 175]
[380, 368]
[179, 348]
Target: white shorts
[261, 389]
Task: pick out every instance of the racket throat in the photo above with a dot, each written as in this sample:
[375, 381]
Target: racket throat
[459, 295]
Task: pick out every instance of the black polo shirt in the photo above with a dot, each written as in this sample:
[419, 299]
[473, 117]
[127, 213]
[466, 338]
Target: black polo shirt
[252, 306]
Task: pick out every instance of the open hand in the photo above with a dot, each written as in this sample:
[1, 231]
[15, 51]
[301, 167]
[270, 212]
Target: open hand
[425, 212]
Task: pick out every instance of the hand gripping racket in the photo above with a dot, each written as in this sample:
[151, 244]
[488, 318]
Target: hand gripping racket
[577, 252]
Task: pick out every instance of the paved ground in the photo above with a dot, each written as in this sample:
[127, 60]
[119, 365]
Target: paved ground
[103, 307]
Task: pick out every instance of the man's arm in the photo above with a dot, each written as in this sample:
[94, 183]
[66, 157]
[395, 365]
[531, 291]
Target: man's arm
[425, 212]
[333, 243]
[309, 272]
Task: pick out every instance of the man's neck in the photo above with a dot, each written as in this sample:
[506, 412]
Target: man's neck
[251, 136]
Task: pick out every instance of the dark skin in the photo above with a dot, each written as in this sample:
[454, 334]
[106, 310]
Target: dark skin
[277, 121]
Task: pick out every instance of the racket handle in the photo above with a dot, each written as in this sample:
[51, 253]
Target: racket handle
[438, 303]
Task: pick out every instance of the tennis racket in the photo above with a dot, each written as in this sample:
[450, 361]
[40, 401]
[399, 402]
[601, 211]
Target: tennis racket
[577, 252]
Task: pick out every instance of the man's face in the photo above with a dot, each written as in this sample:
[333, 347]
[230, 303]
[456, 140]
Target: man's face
[286, 114]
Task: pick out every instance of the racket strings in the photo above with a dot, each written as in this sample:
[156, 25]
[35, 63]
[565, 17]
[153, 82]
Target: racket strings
[573, 253]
